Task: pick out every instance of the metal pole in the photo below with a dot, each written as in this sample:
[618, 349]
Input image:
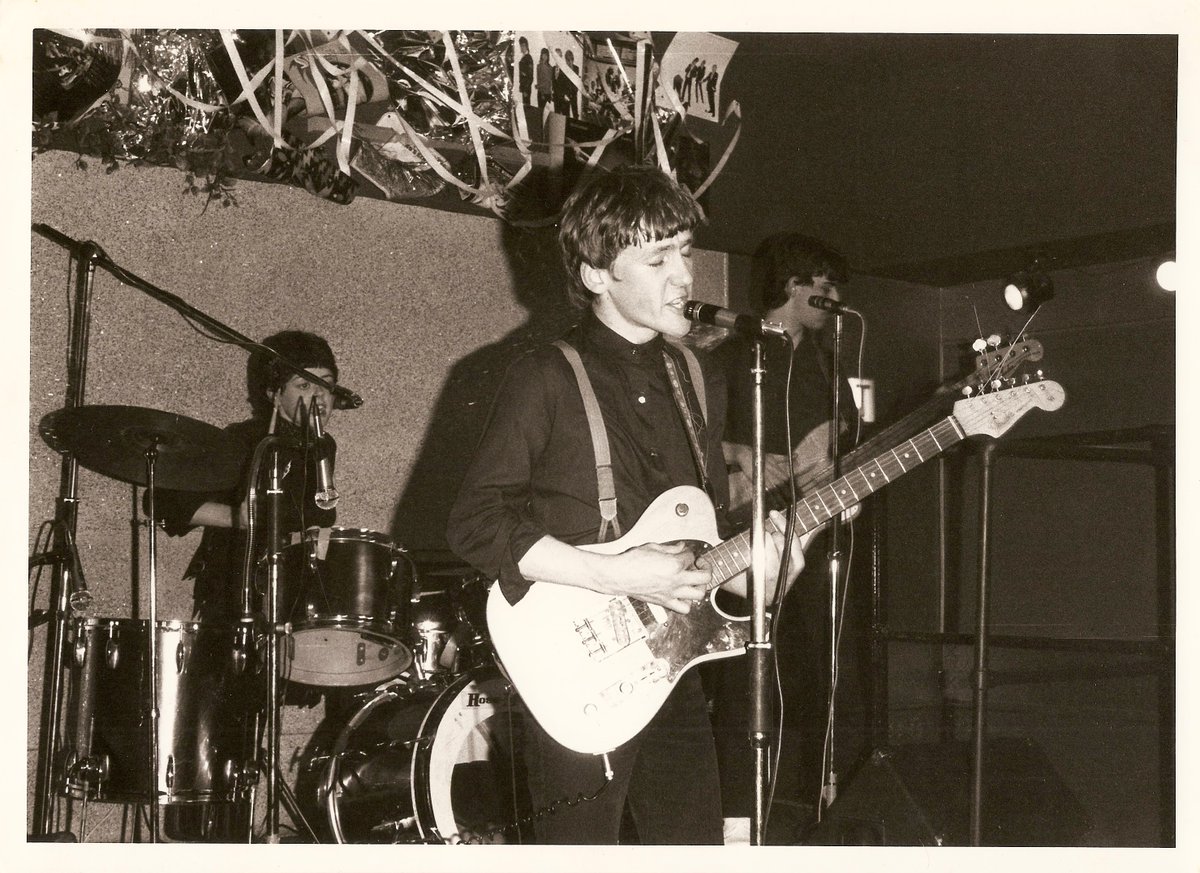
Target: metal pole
[151, 456]
[758, 650]
[274, 557]
[986, 457]
[828, 773]
[66, 518]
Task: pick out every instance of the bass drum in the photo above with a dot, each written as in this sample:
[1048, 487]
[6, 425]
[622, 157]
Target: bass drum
[430, 764]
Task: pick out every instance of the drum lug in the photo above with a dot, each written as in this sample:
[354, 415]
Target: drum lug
[80, 651]
[112, 653]
[180, 657]
[170, 777]
[232, 771]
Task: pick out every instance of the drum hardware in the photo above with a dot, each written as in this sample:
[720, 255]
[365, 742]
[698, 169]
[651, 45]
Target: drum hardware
[129, 443]
[157, 440]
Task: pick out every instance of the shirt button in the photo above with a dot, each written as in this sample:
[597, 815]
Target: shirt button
[641, 398]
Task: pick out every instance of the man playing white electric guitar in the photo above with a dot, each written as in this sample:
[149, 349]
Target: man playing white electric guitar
[550, 480]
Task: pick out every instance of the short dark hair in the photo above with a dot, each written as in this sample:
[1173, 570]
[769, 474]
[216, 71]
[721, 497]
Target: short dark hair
[264, 373]
[612, 210]
[783, 255]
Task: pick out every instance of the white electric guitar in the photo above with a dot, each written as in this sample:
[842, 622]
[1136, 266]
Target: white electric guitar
[593, 668]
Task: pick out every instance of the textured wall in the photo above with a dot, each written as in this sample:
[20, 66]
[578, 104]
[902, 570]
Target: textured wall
[423, 308]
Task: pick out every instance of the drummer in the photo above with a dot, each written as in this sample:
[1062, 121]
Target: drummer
[276, 396]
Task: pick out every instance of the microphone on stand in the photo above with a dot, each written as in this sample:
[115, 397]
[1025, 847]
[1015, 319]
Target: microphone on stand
[707, 313]
[817, 301]
[327, 496]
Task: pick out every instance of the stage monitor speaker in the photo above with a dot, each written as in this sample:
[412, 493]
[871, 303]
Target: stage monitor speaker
[921, 796]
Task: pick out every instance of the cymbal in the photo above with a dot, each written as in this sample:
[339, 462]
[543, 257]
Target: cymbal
[113, 441]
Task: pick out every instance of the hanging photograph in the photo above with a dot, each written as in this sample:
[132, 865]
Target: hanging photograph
[694, 66]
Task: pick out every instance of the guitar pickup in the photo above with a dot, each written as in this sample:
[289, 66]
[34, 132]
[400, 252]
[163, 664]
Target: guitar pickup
[612, 629]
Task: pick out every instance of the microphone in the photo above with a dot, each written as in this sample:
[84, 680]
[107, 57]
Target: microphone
[327, 496]
[830, 305]
[707, 313]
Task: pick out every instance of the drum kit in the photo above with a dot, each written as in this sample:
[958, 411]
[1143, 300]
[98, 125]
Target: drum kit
[425, 743]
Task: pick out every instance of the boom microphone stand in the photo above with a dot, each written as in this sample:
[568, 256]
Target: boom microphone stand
[64, 580]
[88, 256]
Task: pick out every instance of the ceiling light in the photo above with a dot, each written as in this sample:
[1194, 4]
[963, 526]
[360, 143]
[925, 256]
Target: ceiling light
[1029, 288]
[1168, 275]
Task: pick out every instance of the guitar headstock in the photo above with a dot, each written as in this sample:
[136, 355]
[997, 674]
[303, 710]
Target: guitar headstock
[994, 413]
[1001, 362]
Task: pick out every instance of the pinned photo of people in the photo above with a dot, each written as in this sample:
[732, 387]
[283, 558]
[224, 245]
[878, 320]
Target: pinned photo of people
[610, 77]
[694, 66]
[551, 60]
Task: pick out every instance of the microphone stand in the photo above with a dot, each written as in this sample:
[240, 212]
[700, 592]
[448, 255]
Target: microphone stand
[64, 579]
[759, 648]
[828, 775]
[89, 255]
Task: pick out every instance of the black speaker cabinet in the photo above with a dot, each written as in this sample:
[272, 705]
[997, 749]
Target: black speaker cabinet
[921, 796]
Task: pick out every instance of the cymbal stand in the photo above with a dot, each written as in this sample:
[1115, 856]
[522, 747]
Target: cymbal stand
[63, 579]
[152, 635]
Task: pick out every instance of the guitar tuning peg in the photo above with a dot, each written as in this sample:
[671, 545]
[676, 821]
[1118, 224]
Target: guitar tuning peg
[994, 340]
[996, 384]
[1025, 379]
[979, 345]
[967, 391]
[1040, 375]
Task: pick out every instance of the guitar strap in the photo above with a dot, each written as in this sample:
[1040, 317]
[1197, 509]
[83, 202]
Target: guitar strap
[693, 426]
[604, 475]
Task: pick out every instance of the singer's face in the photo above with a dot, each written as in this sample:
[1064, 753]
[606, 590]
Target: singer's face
[645, 290]
[300, 390]
[811, 317]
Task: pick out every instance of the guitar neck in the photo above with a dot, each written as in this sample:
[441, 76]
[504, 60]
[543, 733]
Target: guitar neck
[731, 557]
[889, 435]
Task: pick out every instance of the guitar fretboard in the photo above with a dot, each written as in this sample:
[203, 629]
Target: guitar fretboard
[731, 557]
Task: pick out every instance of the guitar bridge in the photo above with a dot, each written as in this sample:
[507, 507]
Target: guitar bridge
[614, 628]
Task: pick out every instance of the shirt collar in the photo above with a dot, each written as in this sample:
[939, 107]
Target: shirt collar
[604, 338]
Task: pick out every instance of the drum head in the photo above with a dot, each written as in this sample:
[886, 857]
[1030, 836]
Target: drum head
[469, 779]
[433, 763]
[341, 656]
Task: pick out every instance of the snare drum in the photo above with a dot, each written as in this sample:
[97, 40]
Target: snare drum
[429, 765]
[447, 625]
[208, 698]
[344, 592]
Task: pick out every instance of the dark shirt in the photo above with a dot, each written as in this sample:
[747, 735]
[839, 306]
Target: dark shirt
[534, 470]
[810, 394]
[217, 564]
